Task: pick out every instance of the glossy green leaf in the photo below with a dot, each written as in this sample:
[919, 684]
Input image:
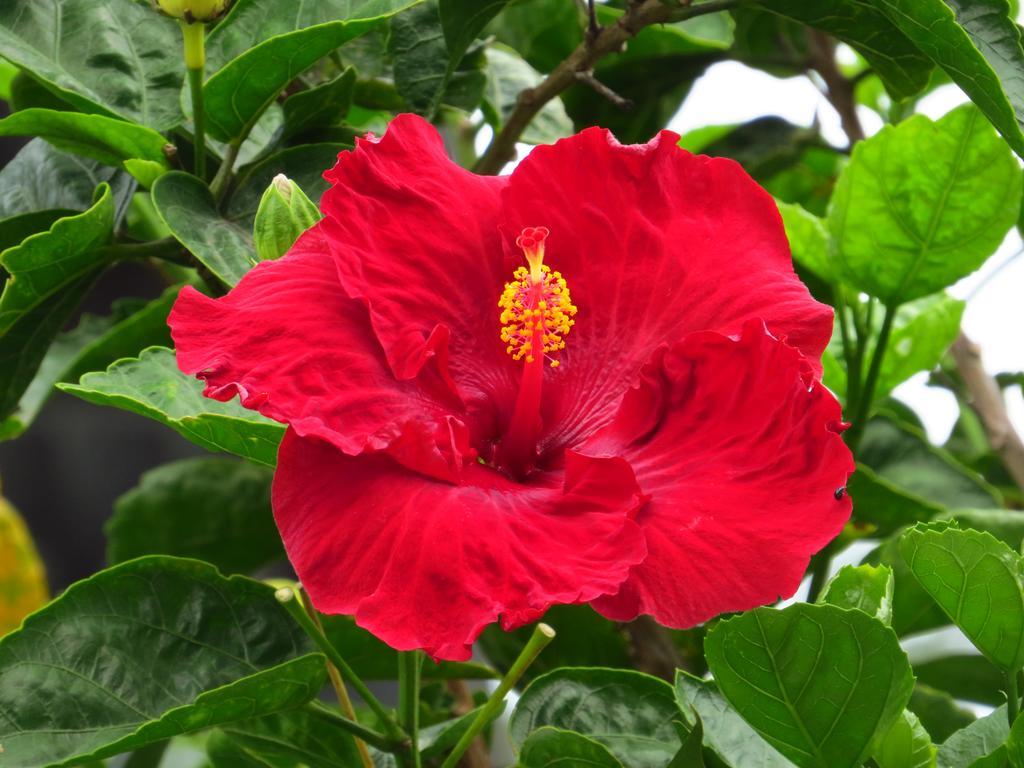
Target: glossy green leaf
[373, 660]
[462, 20]
[542, 45]
[726, 734]
[187, 208]
[628, 712]
[116, 57]
[902, 455]
[151, 385]
[867, 588]
[938, 712]
[211, 509]
[912, 609]
[95, 343]
[980, 738]
[237, 95]
[906, 745]
[251, 22]
[507, 76]
[305, 165]
[145, 651]
[14, 229]
[583, 638]
[42, 178]
[105, 139]
[978, 44]
[46, 262]
[977, 580]
[318, 107]
[819, 683]
[922, 204]
[888, 48]
[550, 747]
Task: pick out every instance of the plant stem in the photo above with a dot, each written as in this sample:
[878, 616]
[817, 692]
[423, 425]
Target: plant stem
[542, 635]
[194, 36]
[409, 665]
[289, 598]
[219, 185]
[819, 572]
[344, 702]
[856, 432]
[360, 731]
[167, 249]
[1012, 697]
[607, 40]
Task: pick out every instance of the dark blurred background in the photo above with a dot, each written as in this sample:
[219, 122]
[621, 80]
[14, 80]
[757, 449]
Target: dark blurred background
[65, 472]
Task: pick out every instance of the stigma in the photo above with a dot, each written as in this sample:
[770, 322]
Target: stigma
[536, 309]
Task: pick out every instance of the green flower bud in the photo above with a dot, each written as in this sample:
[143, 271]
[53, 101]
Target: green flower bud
[194, 10]
[284, 213]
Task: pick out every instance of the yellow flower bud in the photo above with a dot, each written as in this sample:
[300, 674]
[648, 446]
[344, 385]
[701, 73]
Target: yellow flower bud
[194, 10]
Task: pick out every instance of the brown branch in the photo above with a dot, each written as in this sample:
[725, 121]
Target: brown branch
[607, 40]
[651, 648]
[588, 79]
[839, 88]
[987, 400]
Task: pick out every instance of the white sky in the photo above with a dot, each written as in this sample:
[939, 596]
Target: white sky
[732, 93]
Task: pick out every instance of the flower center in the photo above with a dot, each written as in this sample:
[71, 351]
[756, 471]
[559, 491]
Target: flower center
[536, 308]
[536, 314]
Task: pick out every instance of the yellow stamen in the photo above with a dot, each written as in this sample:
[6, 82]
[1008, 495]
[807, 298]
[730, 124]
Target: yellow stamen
[535, 303]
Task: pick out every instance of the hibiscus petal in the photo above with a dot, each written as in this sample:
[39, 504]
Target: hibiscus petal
[738, 447]
[293, 346]
[425, 564]
[655, 243]
[416, 236]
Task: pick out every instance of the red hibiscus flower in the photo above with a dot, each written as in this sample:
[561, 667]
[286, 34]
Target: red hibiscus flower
[594, 380]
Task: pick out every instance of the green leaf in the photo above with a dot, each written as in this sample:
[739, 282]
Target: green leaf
[977, 580]
[906, 745]
[819, 683]
[238, 94]
[885, 45]
[902, 455]
[211, 509]
[373, 660]
[46, 262]
[251, 22]
[14, 229]
[145, 651]
[922, 204]
[41, 178]
[104, 139]
[318, 107]
[550, 747]
[628, 712]
[865, 587]
[23, 346]
[583, 638]
[980, 738]
[726, 734]
[938, 711]
[971, 678]
[886, 505]
[93, 345]
[284, 214]
[691, 754]
[912, 609]
[293, 738]
[116, 57]
[462, 20]
[507, 76]
[187, 208]
[978, 44]
[151, 385]
[305, 165]
[808, 239]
